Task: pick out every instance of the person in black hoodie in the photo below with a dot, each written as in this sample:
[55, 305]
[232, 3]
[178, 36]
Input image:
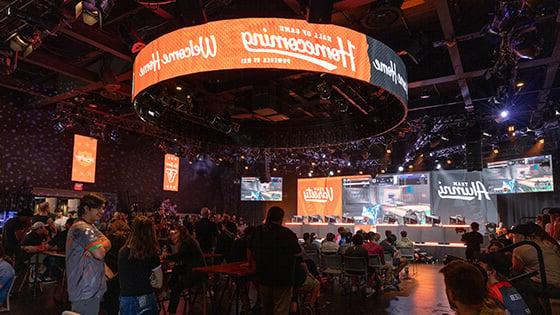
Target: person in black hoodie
[189, 256]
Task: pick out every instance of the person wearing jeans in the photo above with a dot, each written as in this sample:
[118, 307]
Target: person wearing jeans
[140, 270]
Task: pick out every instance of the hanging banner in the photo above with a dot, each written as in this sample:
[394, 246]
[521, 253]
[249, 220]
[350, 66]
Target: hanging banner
[83, 159]
[270, 43]
[320, 196]
[171, 173]
[458, 192]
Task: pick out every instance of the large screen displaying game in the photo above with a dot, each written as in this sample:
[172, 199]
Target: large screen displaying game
[388, 198]
[525, 175]
[252, 189]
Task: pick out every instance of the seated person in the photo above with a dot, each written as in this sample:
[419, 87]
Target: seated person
[308, 245]
[329, 246]
[405, 242]
[357, 250]
[390, 250]
[305, 282]
[375, 249]
[497, 267]
[7, 274]
[346, 243]
[466, 289]
[34, 243]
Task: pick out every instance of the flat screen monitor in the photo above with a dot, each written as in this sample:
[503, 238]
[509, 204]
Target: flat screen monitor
[524, 175]
[252, 189]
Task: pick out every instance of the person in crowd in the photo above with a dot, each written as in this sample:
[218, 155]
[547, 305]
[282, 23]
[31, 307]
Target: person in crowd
[494, 246]
[357, 250]
[59, 240]
[497, 267]
[525, 260]
[7, 275]
[206, 231]
[405, 242]
[239, 253]
[473, 240]
[390, 250]
[86, 248]
[373, 248]
[340, 236]
[329, 245]
[118, 234]
[60, 220]
[466, 290]
[13, 233]
[553, 228]
[140, 269]
[308, 244]
[273, 253]
[228, 233]
[42, 214]
[188, 257]
[306, 283]
[73, 214]
[35, 242]
[346, 243]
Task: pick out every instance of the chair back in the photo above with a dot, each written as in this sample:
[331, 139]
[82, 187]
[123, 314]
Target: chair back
[333, 261]
[374, 261]
[388, 258]
[10, 292]
[354, 265]
[407, 253]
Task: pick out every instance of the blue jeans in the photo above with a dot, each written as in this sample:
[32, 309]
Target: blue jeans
[139, 305]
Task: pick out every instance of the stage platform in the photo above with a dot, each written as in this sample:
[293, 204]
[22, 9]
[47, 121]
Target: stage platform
[437, 240]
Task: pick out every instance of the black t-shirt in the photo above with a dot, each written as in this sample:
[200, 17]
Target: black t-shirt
[9, 238]
[134, 274]
[473, 241]
[59, 240]
[275, 248]
[206, 231]
[32, 239]
[112, 256]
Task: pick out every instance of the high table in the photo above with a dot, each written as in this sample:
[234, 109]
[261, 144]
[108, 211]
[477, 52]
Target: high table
[236, 271]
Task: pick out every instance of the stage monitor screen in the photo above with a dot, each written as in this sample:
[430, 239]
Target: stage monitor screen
[252, 189]
[525, 175]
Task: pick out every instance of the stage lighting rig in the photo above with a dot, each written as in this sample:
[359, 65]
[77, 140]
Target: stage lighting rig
[92, 11]
[382, 14]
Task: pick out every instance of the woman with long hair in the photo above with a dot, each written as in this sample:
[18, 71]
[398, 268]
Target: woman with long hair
[188, 257]
[140, 269]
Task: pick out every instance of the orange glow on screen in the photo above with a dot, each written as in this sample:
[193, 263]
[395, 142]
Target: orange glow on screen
[84, 159]
[171, 173]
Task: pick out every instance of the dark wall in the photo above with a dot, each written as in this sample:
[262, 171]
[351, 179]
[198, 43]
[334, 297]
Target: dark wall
[32, 152]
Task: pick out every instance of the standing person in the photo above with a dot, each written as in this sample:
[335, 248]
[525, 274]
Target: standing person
[42, 213]
[138, 264]
[273, 253]
[473, 240]
[118, 234]
[206, 231]
[86, 248]
[14, 232]
[188, 256]
[60, 220]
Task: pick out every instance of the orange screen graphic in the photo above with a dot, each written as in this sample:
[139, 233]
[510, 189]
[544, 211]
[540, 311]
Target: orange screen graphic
[253, 43]
[320, 196]
[83, 159]
[171, 173]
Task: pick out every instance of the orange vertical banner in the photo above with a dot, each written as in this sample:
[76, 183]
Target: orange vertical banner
[171, 173]
[83, 159]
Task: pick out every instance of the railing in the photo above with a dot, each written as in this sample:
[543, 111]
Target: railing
[542, 272]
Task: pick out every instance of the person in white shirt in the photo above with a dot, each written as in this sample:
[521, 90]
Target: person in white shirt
[405, 242]
[329, 246]
[60, 220]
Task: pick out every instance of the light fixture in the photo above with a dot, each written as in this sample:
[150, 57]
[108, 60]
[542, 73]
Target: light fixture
[449, 161]
[511, 128]
[438, 166]
[444, 138]
[243, 157]
[504, 113]
[311, 171]
[496, 150]
[323, 155]
[519, 84]
[331, 173]
[179, 88]
[348, 164]
[401, 168]
[360, 172]
[431, 154]
[89, 12]
[541, 140]
[486, 134]
[274, 169]
[338, 171]
[19, 44]
[388, 151]
[246, 167]
[310, 174]
[382, 171]
[312, 163]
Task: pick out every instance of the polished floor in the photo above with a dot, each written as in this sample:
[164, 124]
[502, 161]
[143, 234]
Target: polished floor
[424, 294]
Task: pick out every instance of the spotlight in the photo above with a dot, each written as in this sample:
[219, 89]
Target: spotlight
[310, 174]
[388, 151]
[323, 155]
[504, 113]
[349, 164]
[496, 150]
[541, 140]
[519, 84]
[431, 154]
[438, 166]
[311, 171]
[179, 88]
[360, 172]
[341, 105]
[511, 128]
[24, 45]
[59, 127]
[331, 173]
[312, 163]
[324, 90]
[246, 167]
[114, 135]
[486, 134]
[93, 10]
[382, 171]
[410, 166]
[444, 138]
[243, 157]
[338, 171]
[274, 169]
[401, 168]
[449, 161]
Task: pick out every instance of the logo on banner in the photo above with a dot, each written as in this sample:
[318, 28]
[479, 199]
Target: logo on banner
[299, 48]
[318, 194]
[85, 158]
[171, 174]
[463, 191]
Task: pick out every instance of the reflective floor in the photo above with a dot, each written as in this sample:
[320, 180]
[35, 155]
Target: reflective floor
[424, 294]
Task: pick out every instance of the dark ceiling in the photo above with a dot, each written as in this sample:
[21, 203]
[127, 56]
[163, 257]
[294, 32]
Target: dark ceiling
[88, 68]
